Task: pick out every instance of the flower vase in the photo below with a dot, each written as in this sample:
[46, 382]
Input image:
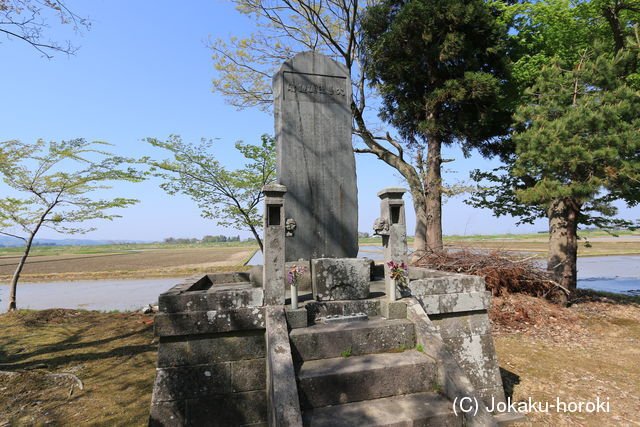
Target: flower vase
[391, 289]
[294, 297]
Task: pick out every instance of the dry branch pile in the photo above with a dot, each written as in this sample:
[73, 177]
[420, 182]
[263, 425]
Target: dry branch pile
[503, 272]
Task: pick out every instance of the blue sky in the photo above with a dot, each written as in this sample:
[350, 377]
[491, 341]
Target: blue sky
[144, 70]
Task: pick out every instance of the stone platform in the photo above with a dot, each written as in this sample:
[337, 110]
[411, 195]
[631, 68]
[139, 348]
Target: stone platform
[227, 359]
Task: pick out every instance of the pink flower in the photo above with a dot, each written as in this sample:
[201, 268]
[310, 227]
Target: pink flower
[294, 274]
[397, 271]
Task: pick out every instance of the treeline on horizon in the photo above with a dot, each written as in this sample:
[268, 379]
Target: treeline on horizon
[206, 239]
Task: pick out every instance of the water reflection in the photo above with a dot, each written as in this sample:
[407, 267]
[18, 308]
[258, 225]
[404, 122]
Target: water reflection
[620, 274]
[123, 295]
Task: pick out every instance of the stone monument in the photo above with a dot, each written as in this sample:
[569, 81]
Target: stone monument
[312, 106]
[234, 352]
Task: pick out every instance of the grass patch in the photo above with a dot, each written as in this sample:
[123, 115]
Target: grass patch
[584, 295]
[577, 354]
[374, 241]
[346, 353]
[541, 246]
[112, 354]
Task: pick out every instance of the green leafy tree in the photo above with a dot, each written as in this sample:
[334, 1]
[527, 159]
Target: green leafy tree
[28, 21]
[549, 30]
[230, 197]
[55, 179]
[576, 151]
[440, 68]
[245, 66]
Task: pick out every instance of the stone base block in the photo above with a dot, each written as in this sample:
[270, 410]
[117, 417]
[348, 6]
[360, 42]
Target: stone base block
[431, 282]
[234, 409]
[296, 318]
[205, 349]
[208, 322]
[372, 376]
[318, 310]
[453, 303]
[193, 382]
[393, 309]
[219, 297]
[340, 278]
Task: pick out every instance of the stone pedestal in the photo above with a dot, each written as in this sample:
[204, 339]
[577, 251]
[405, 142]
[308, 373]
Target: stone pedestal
[393, 309]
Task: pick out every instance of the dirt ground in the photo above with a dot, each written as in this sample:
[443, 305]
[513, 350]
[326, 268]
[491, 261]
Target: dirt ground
[113, 355]
[130, 264]
[586, 352]
[580, 353]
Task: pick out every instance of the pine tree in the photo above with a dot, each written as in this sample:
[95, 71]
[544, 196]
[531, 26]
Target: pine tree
[576, 151]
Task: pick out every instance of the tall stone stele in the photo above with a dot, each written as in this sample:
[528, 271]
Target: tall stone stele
[312, 107]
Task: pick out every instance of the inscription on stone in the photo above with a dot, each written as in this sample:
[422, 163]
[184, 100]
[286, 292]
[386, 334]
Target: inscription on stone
[319, 88]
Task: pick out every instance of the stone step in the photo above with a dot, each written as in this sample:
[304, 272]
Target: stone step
[372, 376]
[418, 409]
[325, 341]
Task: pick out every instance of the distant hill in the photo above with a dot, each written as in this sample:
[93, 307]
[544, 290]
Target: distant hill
[12, 241]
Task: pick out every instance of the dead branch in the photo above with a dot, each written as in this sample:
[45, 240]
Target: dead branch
[503, 272]
[75, 379]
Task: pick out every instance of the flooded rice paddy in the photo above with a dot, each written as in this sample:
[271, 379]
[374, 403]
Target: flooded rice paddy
[620, 274]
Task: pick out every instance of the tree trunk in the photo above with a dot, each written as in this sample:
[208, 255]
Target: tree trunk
[257, 236]
[407, 171]
[16, 274]
[420, 235]
[611, 15]
[433, 186]
[563, 242]
[23, 260]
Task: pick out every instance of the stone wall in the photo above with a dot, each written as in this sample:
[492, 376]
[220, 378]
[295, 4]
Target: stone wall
[211, 359]
[457, 306]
